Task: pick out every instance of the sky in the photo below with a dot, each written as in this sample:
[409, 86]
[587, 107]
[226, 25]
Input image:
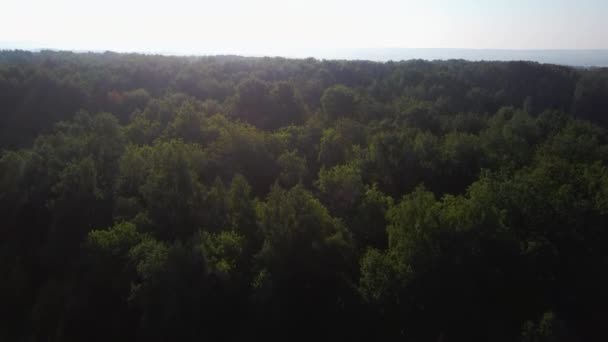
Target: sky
[264, 26]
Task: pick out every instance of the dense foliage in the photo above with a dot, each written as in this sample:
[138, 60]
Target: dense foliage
[157, 198]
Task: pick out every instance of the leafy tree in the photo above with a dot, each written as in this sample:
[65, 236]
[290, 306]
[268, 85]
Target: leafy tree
[339, 101]
[241, 210]
[303, 258]
[172, 291]
[172, 192]
[341, 188]
[217, 217]
[224, 251]
[293, 169]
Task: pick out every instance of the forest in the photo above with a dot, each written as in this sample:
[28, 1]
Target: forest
[226, 198]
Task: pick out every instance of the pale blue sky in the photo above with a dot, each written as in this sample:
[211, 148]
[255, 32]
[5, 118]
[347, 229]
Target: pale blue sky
[237, 25]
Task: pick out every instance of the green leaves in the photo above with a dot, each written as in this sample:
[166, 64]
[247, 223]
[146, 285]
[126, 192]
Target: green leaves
[293, 169]
[268, 105]
[77, 186]
[223, 251]
[378, 275]
[149, 257]
[115, 241]
[172, 192]
[548, 329]
[339, 101]
[299, 232]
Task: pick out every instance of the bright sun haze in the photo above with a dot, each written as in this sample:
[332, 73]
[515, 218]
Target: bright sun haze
[267, 26]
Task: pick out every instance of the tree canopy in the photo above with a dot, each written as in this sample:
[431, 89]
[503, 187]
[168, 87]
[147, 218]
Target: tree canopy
[155, 198]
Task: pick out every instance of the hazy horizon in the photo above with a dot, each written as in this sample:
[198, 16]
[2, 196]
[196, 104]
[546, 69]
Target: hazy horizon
[569, 57]
[546, 31]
